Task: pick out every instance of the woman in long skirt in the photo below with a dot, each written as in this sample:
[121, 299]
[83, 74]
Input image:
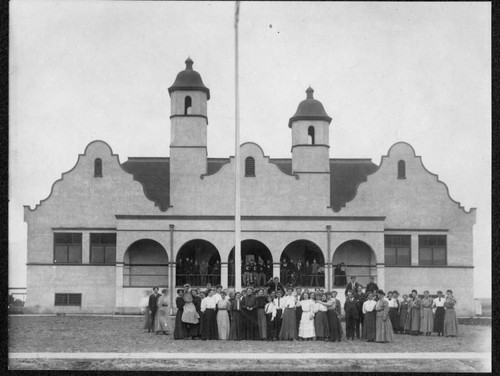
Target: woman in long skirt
[306, 325]
[394, 311]
[249, 323]
[270, 311]
[261, 315]
[162, 314]
[383, 331]
[427, 322]
[403, 313]
[334, 333]
[438, 304]
[450, 317]
[370, 323]
[197, 304]
[236, 331]
[288, 325]
[223, 325]
[190, 316]
[209, 323]
[415, 313]
[180, 329]
[320, 321]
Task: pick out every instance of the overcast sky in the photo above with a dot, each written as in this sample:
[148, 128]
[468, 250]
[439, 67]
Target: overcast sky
[385, 72]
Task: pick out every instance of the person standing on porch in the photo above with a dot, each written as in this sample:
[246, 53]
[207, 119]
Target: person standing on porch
[203, 273]
[261, 269]
[314, 272]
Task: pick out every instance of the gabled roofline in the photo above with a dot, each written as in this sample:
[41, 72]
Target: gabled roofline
[429, 172]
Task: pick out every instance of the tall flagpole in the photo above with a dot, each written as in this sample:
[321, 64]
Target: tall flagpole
[237, 202]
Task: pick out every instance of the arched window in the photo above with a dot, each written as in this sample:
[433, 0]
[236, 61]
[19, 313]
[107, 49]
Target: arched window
[310, 135]
[401, 170]
[98, 167]
[249, 166]
[187, 105]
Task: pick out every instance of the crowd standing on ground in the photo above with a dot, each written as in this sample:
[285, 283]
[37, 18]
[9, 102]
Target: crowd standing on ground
[284, 313]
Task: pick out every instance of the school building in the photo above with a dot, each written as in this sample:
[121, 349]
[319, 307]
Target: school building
[108, 231]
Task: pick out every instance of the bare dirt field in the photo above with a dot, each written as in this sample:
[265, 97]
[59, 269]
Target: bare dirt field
[124, 334]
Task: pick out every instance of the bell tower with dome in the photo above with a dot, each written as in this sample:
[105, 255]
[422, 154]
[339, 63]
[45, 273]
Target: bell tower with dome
[310, 136]
[188, 129]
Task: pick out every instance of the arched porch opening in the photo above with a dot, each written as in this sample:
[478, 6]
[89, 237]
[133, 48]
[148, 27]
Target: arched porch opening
[302, 264]
[256, 255]
[359, 261]
[145, 264]
[197, 263]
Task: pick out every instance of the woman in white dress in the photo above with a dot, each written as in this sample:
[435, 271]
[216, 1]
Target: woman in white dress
[223, 325]
[306, 326]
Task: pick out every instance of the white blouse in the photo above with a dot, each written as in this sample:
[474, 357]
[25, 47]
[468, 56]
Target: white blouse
[318, 307]
[270, 308]
[439, 303]
[393, 303]
[369, 306]
[307, 305]
[208, 303]
[289, 301]
[279, 303]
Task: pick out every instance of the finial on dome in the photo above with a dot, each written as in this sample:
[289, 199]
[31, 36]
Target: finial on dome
[309, 92]
[189, 63]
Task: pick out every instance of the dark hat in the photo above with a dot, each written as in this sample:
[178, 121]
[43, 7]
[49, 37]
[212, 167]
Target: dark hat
[381, 292]
[218, 286]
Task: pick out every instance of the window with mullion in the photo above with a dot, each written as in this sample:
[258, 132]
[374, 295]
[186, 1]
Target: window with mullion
[102, 248]
[397, 249]
[67, 248]
[432, 250]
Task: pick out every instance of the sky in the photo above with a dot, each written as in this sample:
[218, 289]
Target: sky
[384, 71]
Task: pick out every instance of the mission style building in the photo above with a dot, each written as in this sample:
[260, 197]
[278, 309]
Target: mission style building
[109, 231]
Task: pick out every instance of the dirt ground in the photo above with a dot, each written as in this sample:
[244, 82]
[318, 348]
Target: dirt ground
[124, 334]
[300, 365]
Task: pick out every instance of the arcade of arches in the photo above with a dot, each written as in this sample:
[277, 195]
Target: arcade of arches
[302, 263]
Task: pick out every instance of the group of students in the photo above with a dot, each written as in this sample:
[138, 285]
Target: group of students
[290, 314]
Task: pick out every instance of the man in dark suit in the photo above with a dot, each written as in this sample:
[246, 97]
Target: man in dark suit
[153, 303]
[360, 299]
[371, 286]
[275, 285]
[352, 286]
[351, 316]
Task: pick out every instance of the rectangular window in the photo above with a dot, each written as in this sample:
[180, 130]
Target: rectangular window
[67, 247]
[103, 248]
[432, 250]
[397, 249]
[68, 299]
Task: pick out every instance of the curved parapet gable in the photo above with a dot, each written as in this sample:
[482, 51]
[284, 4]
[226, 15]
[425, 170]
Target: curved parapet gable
[402, 184]
[81, 182]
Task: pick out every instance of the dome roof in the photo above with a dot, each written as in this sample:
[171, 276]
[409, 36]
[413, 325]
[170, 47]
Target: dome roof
[310, 109]
[189, 79]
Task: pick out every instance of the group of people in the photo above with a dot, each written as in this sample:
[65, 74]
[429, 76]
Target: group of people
[277, 312]
[407, 315]
[189, 270]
